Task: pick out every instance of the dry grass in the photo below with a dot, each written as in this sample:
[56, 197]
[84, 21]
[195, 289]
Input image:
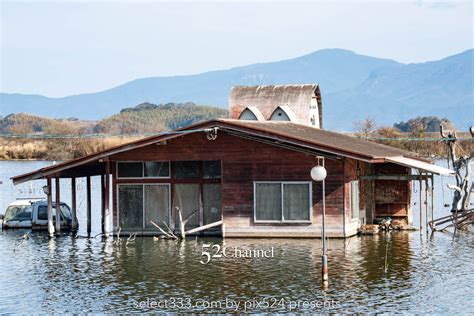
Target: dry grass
[65, 149]
[55, 149]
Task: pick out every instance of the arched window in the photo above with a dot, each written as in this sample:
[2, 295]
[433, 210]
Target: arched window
[283, 113]
[251, 113]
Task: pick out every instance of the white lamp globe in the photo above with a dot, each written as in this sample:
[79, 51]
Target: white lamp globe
[46, 190]
[318, 173]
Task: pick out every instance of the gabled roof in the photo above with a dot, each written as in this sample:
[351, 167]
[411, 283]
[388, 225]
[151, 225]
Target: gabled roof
[278, 133]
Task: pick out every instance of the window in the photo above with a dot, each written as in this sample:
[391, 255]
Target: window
[18, 213]
[354, 198]
[43, 213]
[147, 169]
[157, 169]
[130, 170]
[130, 200]
[157, 204]
[282, 201]
[212, 169]
[186, 169]
[296, 201]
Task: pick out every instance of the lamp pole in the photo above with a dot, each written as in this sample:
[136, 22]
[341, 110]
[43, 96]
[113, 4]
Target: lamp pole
[319, 174]
[325, 256]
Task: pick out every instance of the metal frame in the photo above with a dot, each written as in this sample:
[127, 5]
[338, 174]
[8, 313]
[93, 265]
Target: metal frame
[143, 169]
[282, 183]
[143, 200]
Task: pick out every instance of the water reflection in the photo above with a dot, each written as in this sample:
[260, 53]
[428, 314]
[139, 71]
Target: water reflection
[91, 275]
[66, 274]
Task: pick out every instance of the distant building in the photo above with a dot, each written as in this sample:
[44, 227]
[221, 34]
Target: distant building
[253, 172]
[299, 104]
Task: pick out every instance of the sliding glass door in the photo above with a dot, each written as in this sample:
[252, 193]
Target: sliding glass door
[130, 203]
[139, 204]
[157, 205]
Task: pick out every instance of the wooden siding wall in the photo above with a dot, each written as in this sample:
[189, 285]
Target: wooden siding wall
[245, 161]
[392, 197]
[386, 197]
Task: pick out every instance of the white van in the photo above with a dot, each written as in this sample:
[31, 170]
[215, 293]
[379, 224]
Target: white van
[33, 213]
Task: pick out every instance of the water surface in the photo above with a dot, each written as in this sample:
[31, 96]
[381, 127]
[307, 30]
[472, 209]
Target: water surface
[41, 275]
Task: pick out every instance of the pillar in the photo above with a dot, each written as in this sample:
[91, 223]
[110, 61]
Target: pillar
[102, 204]
[89, 205]
[73, 203]
[421, 203]
[107, 199]
[50, 208]
[58, 207]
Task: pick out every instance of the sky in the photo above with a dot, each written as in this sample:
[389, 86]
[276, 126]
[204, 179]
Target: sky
[64, 48]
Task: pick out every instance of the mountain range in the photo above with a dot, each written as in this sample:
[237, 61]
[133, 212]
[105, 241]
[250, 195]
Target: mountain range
[353, 87]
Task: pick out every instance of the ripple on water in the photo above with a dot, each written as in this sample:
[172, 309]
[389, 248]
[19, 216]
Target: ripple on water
[90, 275]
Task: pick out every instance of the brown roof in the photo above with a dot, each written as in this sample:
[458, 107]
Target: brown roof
[278, 132]
[324, 140]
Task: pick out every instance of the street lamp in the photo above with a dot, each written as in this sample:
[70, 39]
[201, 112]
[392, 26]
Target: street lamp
[319, 174]
[46, 190]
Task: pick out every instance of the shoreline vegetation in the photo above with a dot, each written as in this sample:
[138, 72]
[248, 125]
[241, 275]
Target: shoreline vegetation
[30, 137]
[71, 148]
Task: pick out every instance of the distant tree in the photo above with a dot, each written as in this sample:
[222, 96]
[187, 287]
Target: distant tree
[365, 127]
[429, 124]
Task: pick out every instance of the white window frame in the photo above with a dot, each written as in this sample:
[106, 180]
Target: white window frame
[143, 200]
[143, 169]
[351, 200]
[283, 220]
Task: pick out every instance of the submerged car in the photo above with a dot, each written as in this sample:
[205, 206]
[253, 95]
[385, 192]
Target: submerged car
[33, 213]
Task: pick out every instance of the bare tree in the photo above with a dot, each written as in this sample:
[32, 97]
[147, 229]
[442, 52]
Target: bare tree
[462, 166]
[365, 127]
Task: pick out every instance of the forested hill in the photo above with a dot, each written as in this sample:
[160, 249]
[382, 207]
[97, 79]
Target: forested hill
[143, 119]
[150, 118]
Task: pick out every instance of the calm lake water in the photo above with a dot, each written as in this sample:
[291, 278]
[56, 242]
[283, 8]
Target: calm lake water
[41, 275]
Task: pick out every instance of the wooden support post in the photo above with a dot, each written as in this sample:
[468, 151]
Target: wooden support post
[421, 204]
[58, 207]
[432, 202]
[426, 205]
[50, 208]
[89, 206]
[107, 199]
[102, 202]
[73, 203]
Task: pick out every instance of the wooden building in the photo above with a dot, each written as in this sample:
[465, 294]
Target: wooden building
[252, 171]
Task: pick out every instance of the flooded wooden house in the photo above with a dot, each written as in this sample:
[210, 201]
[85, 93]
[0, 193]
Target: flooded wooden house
[252, 171]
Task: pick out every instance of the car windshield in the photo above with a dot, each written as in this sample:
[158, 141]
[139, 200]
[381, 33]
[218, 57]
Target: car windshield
[17, 213]
[66, 212]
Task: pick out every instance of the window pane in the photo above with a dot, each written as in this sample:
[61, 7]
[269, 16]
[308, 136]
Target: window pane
[130, 170]
[157, 169]
[66, 211]
[212, 169]
[296, 202]
[187, 198]
[156, 205]
[186, 169]
[268, 201]
[355, 199]
[131, 206]
[43, 213]
[212, 203]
